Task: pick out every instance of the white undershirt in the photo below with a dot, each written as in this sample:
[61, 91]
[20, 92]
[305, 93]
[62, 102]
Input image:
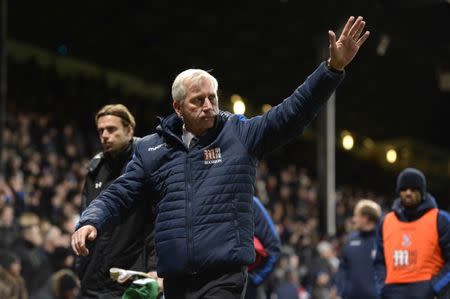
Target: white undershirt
[188, 137]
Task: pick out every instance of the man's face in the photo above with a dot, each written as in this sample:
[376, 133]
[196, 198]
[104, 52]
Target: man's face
[7, 217]
[410, 198]
[113, 134]
[33, 235]
[199, 107]
[15, 268]
[359, 220]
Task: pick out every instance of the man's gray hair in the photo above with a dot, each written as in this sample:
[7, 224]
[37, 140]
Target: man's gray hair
[195, 76]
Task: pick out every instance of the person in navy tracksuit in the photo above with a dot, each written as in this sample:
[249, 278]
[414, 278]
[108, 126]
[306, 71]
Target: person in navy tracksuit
[199, 168]
[266, 234]
[355, 277]
[413, 244]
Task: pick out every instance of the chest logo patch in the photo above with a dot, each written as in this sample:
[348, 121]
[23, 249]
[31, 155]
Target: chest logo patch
[212, 156]
[406, 241]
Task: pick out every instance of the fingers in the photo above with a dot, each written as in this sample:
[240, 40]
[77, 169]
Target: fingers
[357, 26]
[332, 39]
[153, 274]
[363, 39]
[92, 235]
[78, 243]
[74, 247]
[360, 30]
[79, 239]
[348, 25]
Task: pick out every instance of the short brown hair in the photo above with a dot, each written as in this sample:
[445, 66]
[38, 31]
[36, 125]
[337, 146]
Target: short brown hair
[369, 208]
[28, 219]
[118, 110]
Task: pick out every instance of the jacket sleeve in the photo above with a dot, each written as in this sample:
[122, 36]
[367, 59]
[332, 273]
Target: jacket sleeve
[441, 282]
[151, 258]
[342, 274]
[265, 231]
[108, 207]
[262, 134]
[379, 261]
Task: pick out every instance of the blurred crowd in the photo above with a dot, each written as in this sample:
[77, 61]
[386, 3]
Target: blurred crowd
[310, 259]
[40, 196]
[40, 186]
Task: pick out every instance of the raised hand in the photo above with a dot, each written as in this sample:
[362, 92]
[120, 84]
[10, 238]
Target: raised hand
[345, 48]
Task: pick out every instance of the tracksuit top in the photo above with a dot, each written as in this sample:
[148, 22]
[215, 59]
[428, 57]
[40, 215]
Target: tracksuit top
[203, 194]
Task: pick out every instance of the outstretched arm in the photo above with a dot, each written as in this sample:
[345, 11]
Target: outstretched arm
[287, 120]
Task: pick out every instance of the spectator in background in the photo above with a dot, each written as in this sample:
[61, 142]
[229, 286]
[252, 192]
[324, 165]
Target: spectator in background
[12, 285]
[9, 231]
[267, 248]
[355, 278]
[63, 284]
[36, 267]
[413, 244]
[55, 245]
[129, 245]
[323, 269]
[288, 288]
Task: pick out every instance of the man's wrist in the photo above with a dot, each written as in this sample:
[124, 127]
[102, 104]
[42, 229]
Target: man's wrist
[331, 68]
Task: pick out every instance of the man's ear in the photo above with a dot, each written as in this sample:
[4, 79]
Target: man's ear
[130, 131]
[177, 107]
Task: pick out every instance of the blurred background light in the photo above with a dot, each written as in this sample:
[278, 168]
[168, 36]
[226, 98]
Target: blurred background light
[347, 141]
[391, 156]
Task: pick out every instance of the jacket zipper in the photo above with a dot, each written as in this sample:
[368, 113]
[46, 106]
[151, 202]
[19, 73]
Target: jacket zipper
[236, 225]
[190, 241]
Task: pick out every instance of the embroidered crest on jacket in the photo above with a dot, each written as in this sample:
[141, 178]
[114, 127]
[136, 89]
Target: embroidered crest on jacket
[212, 156]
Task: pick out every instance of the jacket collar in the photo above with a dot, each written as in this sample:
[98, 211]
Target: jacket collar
[121, 157]
[408, 215]
[171, 128]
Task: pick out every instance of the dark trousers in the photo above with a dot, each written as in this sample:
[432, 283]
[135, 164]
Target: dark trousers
[230, 284]
[252, 291]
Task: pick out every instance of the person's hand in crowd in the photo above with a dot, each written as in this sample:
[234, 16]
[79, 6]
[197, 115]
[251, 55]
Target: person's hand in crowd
[322, 279]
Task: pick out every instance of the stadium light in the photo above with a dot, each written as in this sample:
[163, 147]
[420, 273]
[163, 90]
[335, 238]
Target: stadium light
[391, 156]
[347, 140]
[238, 104]
[239, 107]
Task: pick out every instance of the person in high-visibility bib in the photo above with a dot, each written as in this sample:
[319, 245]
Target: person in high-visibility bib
[413, 244]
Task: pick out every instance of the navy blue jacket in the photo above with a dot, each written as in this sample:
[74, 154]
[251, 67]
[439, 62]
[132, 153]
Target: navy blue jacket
[204, 193]
[355, 276]
[438, 286]
[267, 234]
